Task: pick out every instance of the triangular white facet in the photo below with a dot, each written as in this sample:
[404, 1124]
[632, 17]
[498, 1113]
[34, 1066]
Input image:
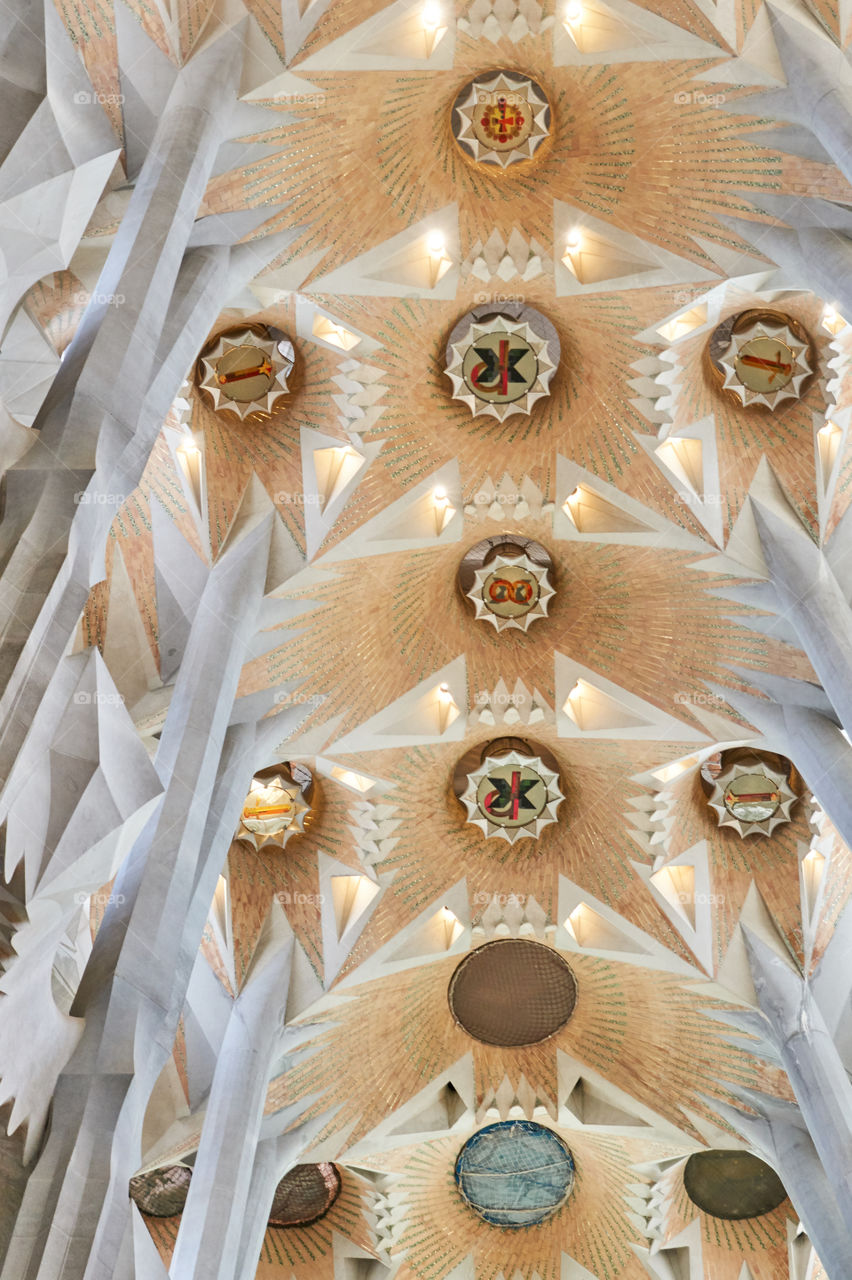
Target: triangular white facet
[588, 509]
[618, 31]
[688, 458]
[408, 265]
[601, 256]
[395, 38]
[331, 471]
[589, 706]
[433, 711]
[428, 514]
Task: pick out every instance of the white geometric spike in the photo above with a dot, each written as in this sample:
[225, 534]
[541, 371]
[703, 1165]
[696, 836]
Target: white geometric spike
[350, 895]
[436, 936]
[587, 509]
[682, 889]
[570, 1269]
[521, 706]
[28, 365]
[433, 711]
[347, 900]
[593, 931]
[587, 924]
[758, 62]
[688, 458]
[589, 706]
[597, 1103]
[445, 1101]
[734, 972]
[187, 450]
[618, 31]
[427, 514]
[420, 262]
[494, 19]
[593, 256]
[399, 37]
[331, 471]
[43, 225]
[507, 500]
[126, 648]
[147, 1263]
[830, 441]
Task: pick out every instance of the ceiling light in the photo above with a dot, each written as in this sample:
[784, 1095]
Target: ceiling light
[832, 320]
[448, 709]
[574, 11]
[431, 16]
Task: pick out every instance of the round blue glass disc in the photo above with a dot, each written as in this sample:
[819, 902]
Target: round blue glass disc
[515, 1174]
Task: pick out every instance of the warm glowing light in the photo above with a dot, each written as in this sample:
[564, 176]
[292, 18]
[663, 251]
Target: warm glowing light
[448, 711]
[349, 779]
[572, 240]
[573, 11]
[431, 16]
[438, 261]
[330, 331]
[832, 320]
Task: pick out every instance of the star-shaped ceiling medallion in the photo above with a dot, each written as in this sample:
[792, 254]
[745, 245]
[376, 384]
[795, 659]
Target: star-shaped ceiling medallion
[275, 809]
[501, 118]
[511, 591]
[765, 362]
[752, 797]
[244, 371]
[511, 796]
[500, 363]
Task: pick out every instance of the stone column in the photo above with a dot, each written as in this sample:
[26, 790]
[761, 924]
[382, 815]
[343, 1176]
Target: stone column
[75, 1215]
[822, 1192]
[98, 424]
[224, 1190]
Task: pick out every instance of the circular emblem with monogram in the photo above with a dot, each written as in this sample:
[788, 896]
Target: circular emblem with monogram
[501, 363]
[500, 118]
[511, 592]
[512, 796]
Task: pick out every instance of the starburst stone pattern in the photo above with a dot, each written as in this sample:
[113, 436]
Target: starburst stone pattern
[275, 809]
[752, 797]
[511, 796]
[502, 363]
[765, 363]
[511, 592]
[245, 371]
[501, 118]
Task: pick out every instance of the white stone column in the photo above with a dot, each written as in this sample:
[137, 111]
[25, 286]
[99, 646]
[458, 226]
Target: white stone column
[76, 1213]
[224, 1190]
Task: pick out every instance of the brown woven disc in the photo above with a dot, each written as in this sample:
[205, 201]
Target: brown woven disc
[162, 1192]
[304, 1194]
[512, 992]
